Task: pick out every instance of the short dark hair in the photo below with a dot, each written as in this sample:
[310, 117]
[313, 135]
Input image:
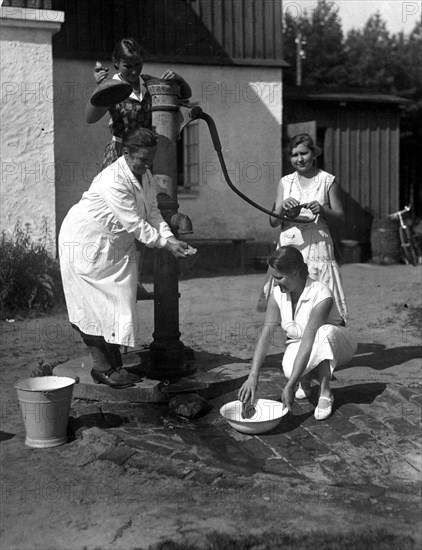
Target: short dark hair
[126, 47]
[307, 140]
[288, 259]
[139, 137]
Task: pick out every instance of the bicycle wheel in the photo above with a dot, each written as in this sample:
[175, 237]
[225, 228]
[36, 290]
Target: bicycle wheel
[409, 253]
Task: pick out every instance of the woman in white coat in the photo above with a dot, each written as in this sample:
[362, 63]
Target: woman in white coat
[317, 338]
[98, 257]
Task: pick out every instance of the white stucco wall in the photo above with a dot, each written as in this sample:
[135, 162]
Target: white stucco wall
[246, 106]
[245, 103]
[27, 188]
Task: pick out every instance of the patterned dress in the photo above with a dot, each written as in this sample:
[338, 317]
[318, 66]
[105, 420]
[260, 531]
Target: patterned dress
[313, 239]
[133, 112]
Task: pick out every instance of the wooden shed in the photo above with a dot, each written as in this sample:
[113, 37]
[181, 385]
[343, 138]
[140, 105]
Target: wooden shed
[359, 137]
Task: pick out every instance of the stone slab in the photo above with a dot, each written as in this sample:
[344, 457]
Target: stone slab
[208, 384]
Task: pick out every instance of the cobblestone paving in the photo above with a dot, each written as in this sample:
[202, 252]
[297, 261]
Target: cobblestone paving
[371, 443]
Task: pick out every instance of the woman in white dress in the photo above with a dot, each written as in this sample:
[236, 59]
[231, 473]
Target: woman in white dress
[311, 196]
[317, 338]
[98, 258]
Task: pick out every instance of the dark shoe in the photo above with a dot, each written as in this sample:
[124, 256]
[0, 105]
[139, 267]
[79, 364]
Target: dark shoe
[111, 378]
[113, 351]
[132, 376]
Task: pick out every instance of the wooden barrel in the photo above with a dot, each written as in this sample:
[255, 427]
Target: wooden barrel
[385, 241]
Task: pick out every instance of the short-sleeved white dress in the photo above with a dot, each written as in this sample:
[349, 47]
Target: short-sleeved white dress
[333, 342]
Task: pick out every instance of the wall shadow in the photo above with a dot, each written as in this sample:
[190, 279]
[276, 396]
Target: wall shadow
[358, 220]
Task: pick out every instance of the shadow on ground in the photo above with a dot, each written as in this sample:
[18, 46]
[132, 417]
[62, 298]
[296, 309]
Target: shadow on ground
[356, 394]
[4, 436]
[202, 360]
[380, 357]
[76, 425]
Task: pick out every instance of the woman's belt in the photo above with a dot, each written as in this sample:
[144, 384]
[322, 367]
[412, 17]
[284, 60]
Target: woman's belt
[301, 226]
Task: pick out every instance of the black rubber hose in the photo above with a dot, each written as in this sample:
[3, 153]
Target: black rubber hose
[195, 113]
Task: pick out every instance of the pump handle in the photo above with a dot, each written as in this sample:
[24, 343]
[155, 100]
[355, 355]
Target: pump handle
[196, 113]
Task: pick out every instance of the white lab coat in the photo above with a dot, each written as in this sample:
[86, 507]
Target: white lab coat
[98, 257]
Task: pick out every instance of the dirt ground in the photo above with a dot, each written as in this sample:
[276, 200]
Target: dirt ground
[51, 500]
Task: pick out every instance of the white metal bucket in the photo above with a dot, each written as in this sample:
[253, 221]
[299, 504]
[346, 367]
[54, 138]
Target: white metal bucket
[45, 406]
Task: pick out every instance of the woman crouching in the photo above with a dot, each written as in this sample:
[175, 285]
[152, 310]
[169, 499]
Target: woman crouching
[317, 338]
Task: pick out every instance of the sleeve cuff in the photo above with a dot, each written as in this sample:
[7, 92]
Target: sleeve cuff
[161, 242]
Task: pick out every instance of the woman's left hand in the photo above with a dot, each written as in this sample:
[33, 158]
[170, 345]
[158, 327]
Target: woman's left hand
[287, 397]
[170, 75]
[316, 208]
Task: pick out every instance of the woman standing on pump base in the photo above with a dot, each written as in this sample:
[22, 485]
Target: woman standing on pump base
[98, 256]
[135, 111]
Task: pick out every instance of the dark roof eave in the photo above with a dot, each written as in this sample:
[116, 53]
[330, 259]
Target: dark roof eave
[345, 97]
[217, 60]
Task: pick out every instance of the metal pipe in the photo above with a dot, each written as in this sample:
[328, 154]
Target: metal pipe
[195, 113]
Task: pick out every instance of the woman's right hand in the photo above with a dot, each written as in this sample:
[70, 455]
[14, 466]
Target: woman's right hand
[177, 248]
[289, 203]
[248, 390]
[100, 73]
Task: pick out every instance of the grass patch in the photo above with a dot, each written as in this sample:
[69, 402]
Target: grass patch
[276, 541]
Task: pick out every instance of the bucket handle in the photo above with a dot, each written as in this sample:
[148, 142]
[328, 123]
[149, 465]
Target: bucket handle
[47, 393]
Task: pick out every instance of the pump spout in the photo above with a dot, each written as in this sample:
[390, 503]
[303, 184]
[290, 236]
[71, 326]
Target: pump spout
[181, 223]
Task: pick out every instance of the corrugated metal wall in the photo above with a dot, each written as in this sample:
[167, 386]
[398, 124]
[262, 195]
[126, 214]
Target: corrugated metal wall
[246, 29]
[361, 148]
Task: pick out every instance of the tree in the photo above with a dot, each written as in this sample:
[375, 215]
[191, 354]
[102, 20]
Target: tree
[410, 83]
[321, 29]
[379, 62]
[368, 56]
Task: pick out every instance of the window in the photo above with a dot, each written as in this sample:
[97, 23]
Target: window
[188, 159]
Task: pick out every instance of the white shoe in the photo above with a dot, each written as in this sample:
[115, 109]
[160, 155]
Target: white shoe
[303, 393]
[324, 408]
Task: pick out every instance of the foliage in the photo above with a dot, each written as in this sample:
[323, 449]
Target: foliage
[29, 277]
[370, 59]
[323, 51]
[43, 369]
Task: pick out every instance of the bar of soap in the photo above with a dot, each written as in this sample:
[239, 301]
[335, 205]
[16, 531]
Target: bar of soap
[190, 251]
[248, 410]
